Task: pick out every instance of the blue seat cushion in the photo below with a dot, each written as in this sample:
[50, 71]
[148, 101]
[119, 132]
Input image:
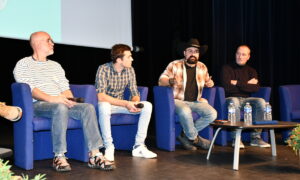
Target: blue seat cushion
[194, 114]
[295, 114]
[41, 124]
[122, 119]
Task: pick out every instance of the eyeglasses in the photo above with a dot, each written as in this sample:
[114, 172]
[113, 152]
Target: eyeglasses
[190, 51]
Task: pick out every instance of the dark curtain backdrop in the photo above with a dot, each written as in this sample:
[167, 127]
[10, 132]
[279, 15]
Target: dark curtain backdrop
[269, 27]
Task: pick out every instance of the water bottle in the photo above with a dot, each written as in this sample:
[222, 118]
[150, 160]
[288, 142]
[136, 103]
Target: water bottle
[268, 112]
[231, 113]
[248, 114]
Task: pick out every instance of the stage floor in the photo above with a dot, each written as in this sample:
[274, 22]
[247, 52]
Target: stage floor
[255, 163]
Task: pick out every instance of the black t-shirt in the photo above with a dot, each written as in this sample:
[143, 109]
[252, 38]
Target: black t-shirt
[191, 89]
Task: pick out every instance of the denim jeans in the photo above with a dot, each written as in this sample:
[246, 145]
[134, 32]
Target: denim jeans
[258, 105]
[60, 113]
[184, 111]
[105, 112]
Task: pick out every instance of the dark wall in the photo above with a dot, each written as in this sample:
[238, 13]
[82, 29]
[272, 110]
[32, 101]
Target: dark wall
[269, 27]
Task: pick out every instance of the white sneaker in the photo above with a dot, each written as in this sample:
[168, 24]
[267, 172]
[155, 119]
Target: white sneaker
[109, 153]
[142, 151]
[242, 146]
[259, 142]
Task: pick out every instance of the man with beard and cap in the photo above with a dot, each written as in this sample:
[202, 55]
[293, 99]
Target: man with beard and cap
[188, 77]
[239, 81]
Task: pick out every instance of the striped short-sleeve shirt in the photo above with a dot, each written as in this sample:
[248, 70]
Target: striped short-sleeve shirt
[48, 76]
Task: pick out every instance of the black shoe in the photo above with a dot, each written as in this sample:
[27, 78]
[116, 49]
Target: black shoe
[186, 143]
[201, 142]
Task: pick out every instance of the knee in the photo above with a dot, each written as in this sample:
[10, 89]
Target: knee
[89, 108]
[104, 108]
[212, 114]
[184, 111]
[235, 102]
[260, 103]
[61, 109]
[147, 106]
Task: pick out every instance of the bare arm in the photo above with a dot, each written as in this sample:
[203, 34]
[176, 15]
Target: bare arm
[164, 81]
[40, 95]
[102, 97]
[136, 99]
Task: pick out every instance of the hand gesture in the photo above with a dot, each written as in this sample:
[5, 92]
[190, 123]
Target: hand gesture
[62, 100]
[253, 81]
[172, 81]
[210, 82]
[131, 107]
[233, 82]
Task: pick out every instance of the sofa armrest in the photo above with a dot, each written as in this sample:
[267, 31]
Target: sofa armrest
[264, 92]
[285, 103]
[164, 117]
[23, 129]
[209, 94]
[88, 92]
[142, 90]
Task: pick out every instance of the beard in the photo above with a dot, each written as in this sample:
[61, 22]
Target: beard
[192, 60]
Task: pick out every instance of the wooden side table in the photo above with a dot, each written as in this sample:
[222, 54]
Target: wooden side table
[239, 126]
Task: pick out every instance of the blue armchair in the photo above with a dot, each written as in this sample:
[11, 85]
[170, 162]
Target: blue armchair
[167, 122]
[220, 106]
[124, 126]
[32, 135]
[289, 96]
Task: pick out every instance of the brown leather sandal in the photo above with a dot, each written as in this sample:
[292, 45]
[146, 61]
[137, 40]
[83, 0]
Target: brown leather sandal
[60, 164]
[99, 162]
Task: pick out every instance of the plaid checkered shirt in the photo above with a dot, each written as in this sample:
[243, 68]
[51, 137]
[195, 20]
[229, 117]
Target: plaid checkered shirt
[176, 69]
[112, 83]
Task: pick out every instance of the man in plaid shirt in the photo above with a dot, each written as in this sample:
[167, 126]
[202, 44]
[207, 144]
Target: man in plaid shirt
[188, 77]
[111, 80]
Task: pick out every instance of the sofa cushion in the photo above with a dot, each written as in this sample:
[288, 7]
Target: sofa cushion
[41, 124]
[295, 114]
[123, 119]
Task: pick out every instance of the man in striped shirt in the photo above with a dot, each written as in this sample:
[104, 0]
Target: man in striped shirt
[111, 80]
[50, 91]
[188, 77]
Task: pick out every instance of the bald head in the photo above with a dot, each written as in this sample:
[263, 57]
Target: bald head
[41, 44]
[242, 55]
[36, 36]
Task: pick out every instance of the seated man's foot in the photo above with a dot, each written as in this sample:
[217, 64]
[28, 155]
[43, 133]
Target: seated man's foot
[259, 142]
[201, 142]
[142, 151]
[110, 153]
[99, 162]
[186, 143]
[12, 113]
[61, 164]
[242, 146]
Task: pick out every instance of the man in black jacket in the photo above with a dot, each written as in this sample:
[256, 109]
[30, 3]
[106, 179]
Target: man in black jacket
[239, 81]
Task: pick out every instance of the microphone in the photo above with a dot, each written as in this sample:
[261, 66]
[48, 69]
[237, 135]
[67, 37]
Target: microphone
[137, 49]
[139, 105]
[76, 99]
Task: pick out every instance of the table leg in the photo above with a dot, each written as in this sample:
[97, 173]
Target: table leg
[273, 142]
[237, 149]
[212, 143]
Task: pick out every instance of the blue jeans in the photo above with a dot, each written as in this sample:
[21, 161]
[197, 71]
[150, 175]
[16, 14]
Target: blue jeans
[105, 112]
[60, 113]
[258, 105]
[184, 111]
